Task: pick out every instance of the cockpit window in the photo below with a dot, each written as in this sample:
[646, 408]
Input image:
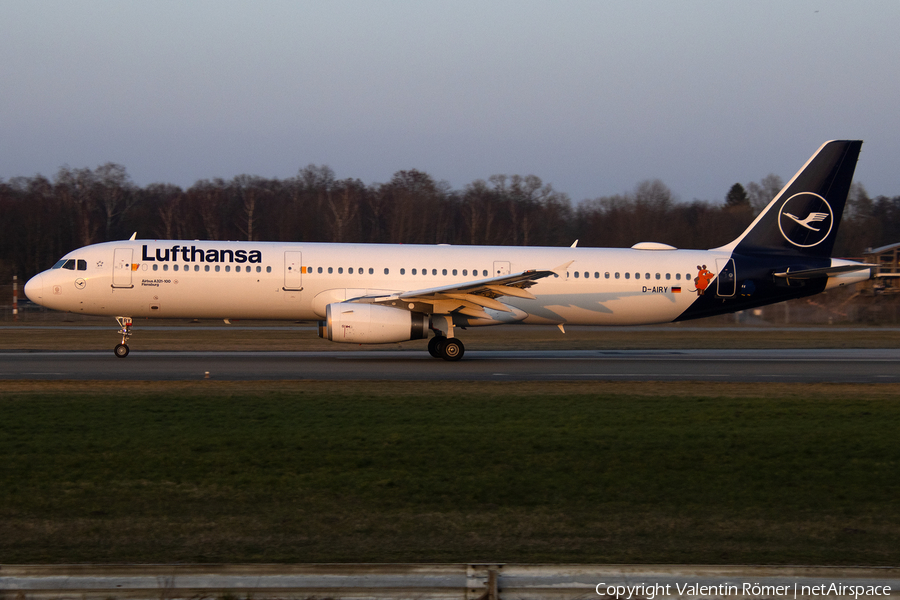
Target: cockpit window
[59, 264]
[82, 265]
[69, 264]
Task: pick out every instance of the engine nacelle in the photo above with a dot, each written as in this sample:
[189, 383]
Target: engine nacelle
[371, 324]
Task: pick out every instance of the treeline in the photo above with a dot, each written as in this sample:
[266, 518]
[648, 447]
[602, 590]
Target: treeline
[42, 219]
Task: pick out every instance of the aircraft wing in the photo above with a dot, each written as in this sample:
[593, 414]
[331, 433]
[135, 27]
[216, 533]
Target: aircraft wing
[469, 298]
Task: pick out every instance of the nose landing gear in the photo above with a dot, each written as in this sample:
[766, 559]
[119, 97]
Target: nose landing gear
[125, 324]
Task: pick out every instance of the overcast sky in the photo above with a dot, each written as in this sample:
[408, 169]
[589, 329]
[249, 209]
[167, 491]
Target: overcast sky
[592, 97]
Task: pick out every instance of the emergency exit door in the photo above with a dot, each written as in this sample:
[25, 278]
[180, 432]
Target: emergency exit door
[501, 267]
[293, 271]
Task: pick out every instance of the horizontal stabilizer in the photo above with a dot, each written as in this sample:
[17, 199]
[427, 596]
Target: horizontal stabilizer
[823, 272]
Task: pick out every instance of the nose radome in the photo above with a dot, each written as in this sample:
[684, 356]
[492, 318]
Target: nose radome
[34, 289]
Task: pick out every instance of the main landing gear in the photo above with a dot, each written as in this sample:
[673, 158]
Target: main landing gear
[446, 348]
[122, 348]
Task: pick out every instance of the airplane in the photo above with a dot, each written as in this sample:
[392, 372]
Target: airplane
[381, 293]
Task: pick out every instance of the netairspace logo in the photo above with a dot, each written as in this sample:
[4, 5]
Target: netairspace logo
[649, 591]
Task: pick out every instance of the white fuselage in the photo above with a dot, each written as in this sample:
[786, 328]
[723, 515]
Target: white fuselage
[296, 281]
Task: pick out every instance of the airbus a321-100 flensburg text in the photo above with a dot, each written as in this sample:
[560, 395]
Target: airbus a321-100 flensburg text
[374, 293]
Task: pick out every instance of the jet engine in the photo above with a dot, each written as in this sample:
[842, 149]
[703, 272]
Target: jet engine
[371, 324]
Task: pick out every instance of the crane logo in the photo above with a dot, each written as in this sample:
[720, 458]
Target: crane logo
[805, 219]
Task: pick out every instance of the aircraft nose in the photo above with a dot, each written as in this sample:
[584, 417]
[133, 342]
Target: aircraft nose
[34, 289]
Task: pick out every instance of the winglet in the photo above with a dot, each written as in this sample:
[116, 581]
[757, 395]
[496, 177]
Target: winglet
[561, 269]
[133, 235]
[574, 244]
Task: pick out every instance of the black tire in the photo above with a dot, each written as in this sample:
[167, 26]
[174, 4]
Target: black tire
[121, 350]
[434, 346]
[452, 349]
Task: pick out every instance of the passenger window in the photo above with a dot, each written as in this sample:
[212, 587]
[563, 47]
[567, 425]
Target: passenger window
[484, 273]
[688, 276]
[259, 269]
[174, 267]
[434, 271]
[340, 270]
[269, 269]
[657, 275]
[576, 274]
[205, 268]
[237, 269]
[387, 271]
[587, 275]
[678, 276]
[196, 268]
[465, 272]
[227, 269]
[330, 270]
[617, 275]
[627, 275]
[403, 271]
[606, 274]
[82, 265]
[360, 271]
[217, 268]
[668, 276]
[596, 275]
[165, 267]
[444, 272]
[413, 271]
[646, 275]
[454, 271]
[637, 275]
[155, 267]
[350, 270]
[372, 271]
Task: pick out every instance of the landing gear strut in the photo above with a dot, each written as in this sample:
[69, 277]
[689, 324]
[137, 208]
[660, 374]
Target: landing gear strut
[125, 324]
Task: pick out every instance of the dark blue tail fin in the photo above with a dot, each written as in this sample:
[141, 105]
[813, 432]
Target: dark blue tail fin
[803, 218]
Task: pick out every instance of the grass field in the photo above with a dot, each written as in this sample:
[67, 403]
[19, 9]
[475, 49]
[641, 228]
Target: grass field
[563, 472]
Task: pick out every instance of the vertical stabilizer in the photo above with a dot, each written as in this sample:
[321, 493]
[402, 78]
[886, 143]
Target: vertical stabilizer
[803, 218]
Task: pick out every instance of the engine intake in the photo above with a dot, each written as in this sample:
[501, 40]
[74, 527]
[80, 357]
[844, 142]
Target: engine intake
[371, 324]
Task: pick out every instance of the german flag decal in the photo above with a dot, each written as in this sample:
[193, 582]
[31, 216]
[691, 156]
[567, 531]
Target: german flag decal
[676, 290]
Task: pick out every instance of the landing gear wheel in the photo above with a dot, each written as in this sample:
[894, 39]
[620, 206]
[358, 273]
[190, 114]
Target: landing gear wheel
[122, 348]
[434, 345]
[452, 349]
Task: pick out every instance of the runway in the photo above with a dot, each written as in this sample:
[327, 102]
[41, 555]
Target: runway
[447, 581]
[793, 365]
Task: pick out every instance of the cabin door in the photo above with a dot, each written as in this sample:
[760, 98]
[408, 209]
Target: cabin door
[726, 281]
[122, 268]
